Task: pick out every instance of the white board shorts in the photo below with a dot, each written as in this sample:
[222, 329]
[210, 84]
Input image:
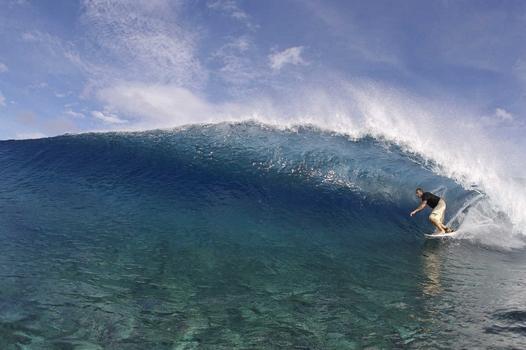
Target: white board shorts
[439, 211]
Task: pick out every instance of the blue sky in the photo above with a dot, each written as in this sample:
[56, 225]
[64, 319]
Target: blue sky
[68, 66]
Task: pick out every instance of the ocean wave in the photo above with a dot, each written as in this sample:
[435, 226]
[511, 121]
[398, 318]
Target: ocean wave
[255, 158]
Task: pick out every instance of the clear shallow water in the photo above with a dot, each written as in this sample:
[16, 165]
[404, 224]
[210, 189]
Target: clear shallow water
[239, 236]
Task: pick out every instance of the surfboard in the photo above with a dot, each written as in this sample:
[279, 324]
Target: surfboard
[440, 235]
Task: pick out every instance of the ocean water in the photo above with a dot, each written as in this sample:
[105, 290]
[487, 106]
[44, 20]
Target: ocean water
[244, 236]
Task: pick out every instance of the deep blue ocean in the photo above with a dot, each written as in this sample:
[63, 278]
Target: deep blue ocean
[241, 236]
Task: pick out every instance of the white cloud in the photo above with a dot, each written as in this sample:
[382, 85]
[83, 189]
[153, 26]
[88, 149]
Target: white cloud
[3, 67]
[50, 54]
[48, 42]
[228, 6]
[240, 44]
[2, 99]
[292, 55]
[155, 106]
[41, 85]
[500, 117]
[231, 8]
[238, 66]
[503, 115]
[143, 40]
[71, 113]
[107, 117]
[28, 36]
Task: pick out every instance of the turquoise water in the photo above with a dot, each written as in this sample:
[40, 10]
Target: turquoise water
[239, 236]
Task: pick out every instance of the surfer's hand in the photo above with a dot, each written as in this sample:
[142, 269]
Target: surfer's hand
[412, 213]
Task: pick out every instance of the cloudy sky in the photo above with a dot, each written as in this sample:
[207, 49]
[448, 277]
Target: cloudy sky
[73, 66]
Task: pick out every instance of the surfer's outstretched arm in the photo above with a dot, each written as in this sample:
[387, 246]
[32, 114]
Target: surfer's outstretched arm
[419, 208]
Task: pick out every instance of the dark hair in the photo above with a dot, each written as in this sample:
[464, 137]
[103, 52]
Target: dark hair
[419, 189]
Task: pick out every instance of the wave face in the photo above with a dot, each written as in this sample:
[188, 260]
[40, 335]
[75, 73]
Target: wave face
[205, 165]
[220, 235]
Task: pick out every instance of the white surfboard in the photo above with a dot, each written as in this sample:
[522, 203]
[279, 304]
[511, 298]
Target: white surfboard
[440, 235]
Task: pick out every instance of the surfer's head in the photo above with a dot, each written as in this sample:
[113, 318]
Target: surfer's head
[419, 192]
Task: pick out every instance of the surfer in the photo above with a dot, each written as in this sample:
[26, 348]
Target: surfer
[439, 209]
